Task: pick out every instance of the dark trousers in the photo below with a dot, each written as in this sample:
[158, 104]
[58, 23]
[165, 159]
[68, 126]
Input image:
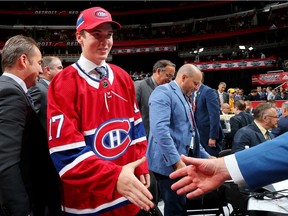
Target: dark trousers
[174, 204]
[13, 192]
[46, 193]
[154, 188]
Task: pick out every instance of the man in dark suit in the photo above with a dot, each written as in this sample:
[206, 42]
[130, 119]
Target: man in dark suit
[281, 96]
[208, 119]
[21, 156]
[51, 65]
[222, 95]
[253, 95]
[265, 118]
[163, 72]
[283, 121]
[240, 119]
[50, 204]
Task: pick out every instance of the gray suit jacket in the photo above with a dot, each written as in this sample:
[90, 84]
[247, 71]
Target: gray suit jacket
[144, 89]
[39, 96]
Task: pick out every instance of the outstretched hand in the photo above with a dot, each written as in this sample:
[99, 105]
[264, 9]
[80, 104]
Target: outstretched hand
[201, 176]
[132, 188]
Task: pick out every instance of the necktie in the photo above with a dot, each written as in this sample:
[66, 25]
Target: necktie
[193, 102]
[189, 101]
[267, 136]
[194, 148]
[30, 99]
[101, 71]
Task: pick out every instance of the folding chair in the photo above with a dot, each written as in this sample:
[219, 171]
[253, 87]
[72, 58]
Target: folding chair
[210, 203]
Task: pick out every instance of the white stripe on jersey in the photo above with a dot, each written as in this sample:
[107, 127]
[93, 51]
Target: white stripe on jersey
[97, 209]
[140, 139]
[67, 147]
[75, 162]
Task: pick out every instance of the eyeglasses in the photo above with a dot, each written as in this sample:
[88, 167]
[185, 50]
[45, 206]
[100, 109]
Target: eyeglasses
[59, 67]
[168, 75]
[273, 116]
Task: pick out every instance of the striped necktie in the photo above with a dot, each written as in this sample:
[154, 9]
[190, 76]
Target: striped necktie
[267, 136]
[101, 71]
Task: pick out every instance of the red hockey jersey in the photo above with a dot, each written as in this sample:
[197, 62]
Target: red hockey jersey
[94, 128]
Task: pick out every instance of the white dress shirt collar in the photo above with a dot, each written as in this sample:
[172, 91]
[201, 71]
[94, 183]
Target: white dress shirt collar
[16, 79]
[88, 65]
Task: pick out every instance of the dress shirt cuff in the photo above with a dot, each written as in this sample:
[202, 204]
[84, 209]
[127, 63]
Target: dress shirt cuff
[233, 169]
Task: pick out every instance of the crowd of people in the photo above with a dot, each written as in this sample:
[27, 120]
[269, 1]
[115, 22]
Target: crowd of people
[237, 111]
[179, 29]
[87, 139]
[203, 25]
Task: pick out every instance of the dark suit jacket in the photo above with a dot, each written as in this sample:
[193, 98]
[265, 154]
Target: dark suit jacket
[39, 96]
[239, 121]
[207, 118]
[249, 135]
[282, 126]
[279, 97]
[144, 89]
[23, 156]
[225, 98]
[265, 163]
[52, 195]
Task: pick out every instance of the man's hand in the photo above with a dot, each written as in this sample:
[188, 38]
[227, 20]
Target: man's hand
[180, 164]
[201, 176]
[132, 188]
[145, 179]
[212, 142]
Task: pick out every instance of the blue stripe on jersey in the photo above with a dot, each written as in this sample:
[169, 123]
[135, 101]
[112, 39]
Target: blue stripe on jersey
[62, 158]
[139, 130]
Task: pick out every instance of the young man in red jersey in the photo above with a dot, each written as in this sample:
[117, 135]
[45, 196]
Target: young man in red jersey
[96, 137]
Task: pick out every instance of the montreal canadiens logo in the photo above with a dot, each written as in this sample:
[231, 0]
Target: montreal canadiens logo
[101, 14]
[112, 139]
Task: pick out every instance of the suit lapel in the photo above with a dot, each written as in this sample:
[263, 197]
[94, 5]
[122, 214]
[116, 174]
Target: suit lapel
[150, 83]
[13, 82]
[43, 82]
[199, 93]
[182, 99]
[259, 133]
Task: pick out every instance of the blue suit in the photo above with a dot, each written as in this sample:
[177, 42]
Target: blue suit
[208, 118]
[282, 126]
[171, 131]
[266, 163]
[249, 135]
